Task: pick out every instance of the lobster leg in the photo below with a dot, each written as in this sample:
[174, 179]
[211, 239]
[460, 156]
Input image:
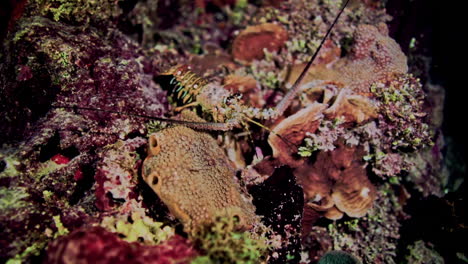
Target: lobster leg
[180, 108]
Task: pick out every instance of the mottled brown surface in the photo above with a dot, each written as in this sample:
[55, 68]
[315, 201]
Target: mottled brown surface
[337, 183]
[251, 42]
[292, 131]
[193, 177]
[374, 57]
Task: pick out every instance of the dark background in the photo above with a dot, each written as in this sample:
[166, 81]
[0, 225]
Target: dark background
[438, 27]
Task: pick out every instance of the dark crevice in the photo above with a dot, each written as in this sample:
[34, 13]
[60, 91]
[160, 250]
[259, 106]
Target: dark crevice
[50, 149]
[83, 185]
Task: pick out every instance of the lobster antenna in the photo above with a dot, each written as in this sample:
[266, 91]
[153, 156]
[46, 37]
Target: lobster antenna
[285, 102]
[167, 120]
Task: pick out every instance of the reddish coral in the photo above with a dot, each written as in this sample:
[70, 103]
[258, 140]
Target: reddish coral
[97, 245]
[116, 174]
[337, 182]
[249, 44]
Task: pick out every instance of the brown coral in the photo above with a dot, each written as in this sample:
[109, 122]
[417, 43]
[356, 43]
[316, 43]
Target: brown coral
[374, 57]
[194, 178]
[354, 194]
[249, 44]
[337, 183]
[291, 131]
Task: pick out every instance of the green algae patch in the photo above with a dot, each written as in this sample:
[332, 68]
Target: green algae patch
[12, 198]
[33, 250]
[61, 230]
[222, 243]
[77, 11]
[140, 228]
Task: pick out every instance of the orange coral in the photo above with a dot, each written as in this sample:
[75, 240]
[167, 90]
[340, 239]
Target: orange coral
[249, 44]
[291, 131]
[355, 195]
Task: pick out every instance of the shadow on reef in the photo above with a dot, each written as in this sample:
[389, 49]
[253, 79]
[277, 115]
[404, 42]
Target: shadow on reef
[438, 221]
[280, 201]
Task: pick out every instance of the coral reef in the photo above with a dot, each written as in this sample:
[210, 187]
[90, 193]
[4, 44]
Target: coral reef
[340, 171]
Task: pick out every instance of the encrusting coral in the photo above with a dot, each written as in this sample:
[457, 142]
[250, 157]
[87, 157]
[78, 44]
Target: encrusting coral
[191, 174]
[374, 57]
